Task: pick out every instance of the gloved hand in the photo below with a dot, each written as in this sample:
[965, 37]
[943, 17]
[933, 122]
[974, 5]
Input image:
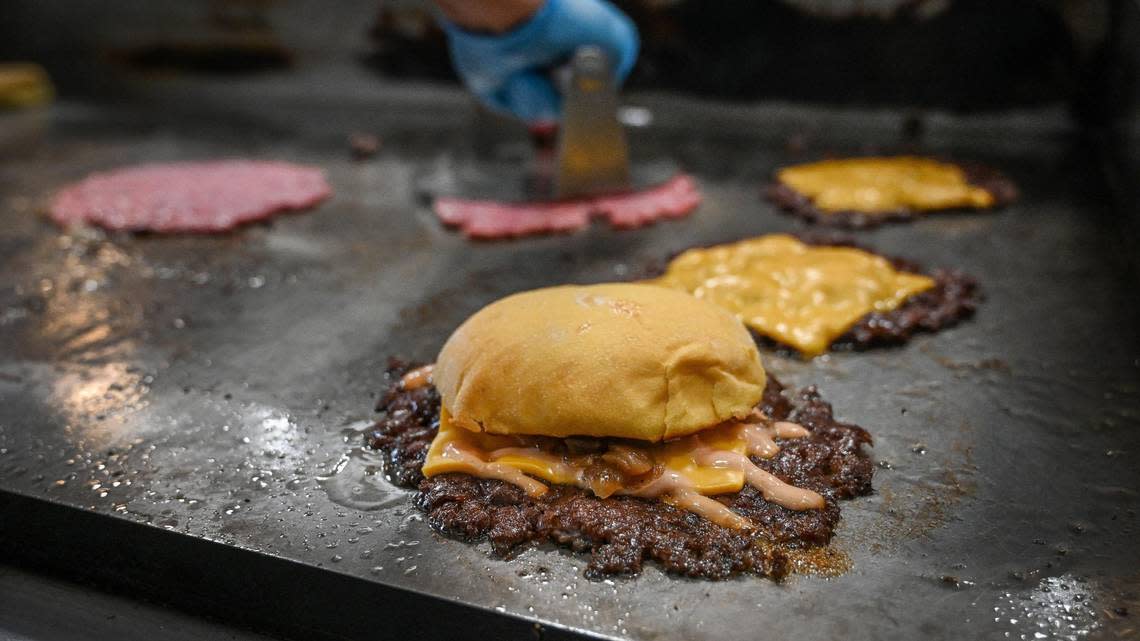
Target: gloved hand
[510, 73]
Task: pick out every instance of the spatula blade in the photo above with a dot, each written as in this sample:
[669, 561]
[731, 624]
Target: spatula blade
[593, 155]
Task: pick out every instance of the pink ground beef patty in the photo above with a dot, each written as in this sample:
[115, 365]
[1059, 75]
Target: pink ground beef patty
[211, 196]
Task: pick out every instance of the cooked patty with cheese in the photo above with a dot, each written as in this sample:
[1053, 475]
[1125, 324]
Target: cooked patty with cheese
[548, 409]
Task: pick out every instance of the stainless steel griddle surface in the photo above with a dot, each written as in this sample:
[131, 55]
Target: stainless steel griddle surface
[207, 394]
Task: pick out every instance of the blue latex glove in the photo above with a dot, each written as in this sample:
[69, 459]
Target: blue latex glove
[510, 72]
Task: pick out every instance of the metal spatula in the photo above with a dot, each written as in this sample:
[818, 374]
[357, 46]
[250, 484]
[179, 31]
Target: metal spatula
[591, 155]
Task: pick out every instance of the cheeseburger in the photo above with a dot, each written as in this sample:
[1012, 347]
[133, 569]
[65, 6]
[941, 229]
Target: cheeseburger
[618, 389]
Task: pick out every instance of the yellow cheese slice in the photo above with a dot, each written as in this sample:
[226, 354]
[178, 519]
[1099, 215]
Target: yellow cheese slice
[24, 85]
[683, 472]
[880, 185]
[459, 450]
[799, 295]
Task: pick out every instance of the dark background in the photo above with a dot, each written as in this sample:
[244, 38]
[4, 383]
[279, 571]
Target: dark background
[961, 55]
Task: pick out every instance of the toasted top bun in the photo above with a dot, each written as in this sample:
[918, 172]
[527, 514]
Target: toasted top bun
[614, 360]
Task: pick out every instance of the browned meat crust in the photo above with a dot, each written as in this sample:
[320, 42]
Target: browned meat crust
[954, 298]
[621, 533]
[791, 201]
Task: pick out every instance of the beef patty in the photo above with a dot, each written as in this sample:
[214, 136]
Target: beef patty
[1003, 190]
[954, 298]
[189, 197]
[620, 533]
[490, 220]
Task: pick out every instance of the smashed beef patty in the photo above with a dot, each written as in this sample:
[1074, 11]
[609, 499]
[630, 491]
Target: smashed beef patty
[489, 220]
[620, 533]
[954, 298]
[1000, 188]
[189, 197]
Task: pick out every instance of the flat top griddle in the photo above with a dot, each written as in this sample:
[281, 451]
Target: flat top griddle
[181, 417]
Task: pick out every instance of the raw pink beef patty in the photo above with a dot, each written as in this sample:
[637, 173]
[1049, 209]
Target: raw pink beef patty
[209, 196]
[489, 219]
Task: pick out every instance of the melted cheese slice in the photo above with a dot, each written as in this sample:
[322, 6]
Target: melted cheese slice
[881, 185]
[685, 472]
[796, 294]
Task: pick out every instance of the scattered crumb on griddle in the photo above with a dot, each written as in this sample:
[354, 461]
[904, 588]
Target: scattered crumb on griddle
[620, 533]
[363, 145]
